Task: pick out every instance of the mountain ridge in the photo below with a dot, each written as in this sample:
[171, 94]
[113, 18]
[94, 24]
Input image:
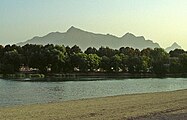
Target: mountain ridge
[84, 39]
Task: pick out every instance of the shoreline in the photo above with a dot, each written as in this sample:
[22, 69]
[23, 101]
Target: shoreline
[84, 76]
[126, 107]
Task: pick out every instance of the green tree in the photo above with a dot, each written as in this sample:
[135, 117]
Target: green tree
[176, 52]
[79, 61]
[134, 64]
[175, 65]
[68, 64]
[91, 50]
[115, 63]
[68, 50]
[106, 52]
[93, 62]
[11, 62]
[28, 51]
[57, 60]
[183, 61]
[146, 52]
[145, 64]
[1, 56]
[160, 61]
[127, 51]
[124, 62]
[75, 49]
[105, 64]
[82, 59]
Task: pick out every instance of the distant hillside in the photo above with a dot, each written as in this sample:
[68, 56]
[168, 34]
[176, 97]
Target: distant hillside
[84, 39]
[173, 47]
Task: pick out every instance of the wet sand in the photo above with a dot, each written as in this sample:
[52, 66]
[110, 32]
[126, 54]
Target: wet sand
[151, 106]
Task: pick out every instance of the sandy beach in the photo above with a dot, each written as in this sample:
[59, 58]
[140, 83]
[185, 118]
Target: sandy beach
[152, 106]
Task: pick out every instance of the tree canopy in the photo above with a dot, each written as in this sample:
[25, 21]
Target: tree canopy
[61, 59]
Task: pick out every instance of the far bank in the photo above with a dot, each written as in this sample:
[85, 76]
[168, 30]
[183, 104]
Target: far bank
[89, 76]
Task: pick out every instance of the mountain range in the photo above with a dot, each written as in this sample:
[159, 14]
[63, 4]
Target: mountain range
[84, 39]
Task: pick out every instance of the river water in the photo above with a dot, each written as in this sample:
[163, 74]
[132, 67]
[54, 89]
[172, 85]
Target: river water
[21, 93]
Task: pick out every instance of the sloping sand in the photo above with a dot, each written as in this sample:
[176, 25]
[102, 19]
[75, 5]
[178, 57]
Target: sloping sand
[165, 105]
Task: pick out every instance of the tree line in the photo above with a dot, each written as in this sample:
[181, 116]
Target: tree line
[60, 59]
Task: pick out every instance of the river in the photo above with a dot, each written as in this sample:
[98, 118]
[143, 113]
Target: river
[21, 93]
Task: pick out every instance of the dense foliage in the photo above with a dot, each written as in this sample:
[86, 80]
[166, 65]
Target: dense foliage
[60, 59]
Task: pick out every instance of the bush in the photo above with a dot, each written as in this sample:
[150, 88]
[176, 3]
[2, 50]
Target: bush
[36, 76]
[10, 75]
[1, 75]
[20, 75]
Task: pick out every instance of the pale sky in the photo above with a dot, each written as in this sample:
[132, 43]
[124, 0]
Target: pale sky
[163, 21]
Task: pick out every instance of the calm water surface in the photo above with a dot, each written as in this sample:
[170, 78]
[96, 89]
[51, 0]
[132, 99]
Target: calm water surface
[19, 93]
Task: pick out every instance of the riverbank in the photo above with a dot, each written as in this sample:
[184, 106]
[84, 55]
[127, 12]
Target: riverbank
[89, 76]
[167, 105]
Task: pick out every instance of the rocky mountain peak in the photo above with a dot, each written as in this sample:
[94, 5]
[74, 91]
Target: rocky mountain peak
[73, 29]
[129, 35]
[176, 45]
[173, 47]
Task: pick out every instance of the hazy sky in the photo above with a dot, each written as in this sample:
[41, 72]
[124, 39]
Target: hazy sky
[163, 21]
